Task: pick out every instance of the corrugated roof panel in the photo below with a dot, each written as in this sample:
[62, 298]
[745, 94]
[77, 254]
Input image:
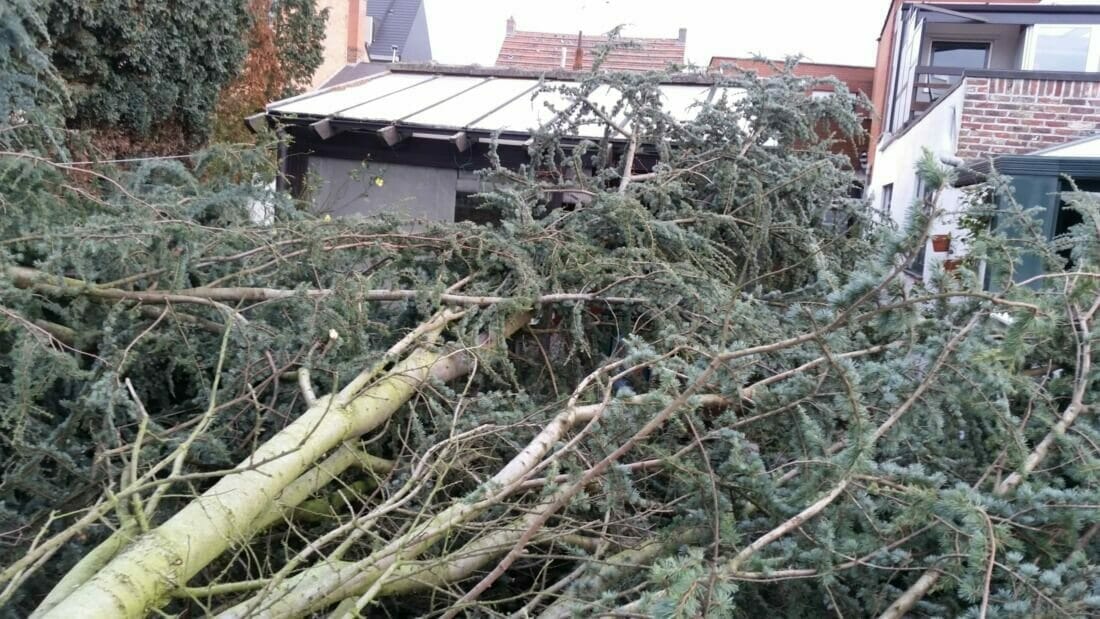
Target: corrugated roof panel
[605, 99]
[683, 101]
[465, 108]
[419, 97]
[335, 101]
[525, 113]
[476, 102]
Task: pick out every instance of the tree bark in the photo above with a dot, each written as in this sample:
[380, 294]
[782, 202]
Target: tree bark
[229, 513]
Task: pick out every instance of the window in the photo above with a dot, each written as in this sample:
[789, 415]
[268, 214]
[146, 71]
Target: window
[1066, 217]
[469, 207]
[948, 54]
[1063, 48]
[926, 196]
[959, 54]
[887, 199]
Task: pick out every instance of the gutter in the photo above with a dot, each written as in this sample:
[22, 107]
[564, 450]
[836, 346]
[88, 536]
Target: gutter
[690, 79]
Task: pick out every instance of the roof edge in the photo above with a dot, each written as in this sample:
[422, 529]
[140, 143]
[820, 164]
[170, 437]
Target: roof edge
[601, 37]
[700, 79]
[1026, 165]
[1075, 142]
[780, 62]
[1011, 7]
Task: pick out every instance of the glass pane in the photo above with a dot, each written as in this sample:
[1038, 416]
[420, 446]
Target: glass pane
[959, 54]
[1061, 48]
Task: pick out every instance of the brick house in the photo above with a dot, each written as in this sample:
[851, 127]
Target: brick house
[550, 51]
[347, 34]
[377, 33]
[1012, 83]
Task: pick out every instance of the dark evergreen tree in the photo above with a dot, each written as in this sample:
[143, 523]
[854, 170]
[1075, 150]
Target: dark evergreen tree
[145, 67]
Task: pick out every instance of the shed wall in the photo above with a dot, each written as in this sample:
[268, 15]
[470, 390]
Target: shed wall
[343, 187]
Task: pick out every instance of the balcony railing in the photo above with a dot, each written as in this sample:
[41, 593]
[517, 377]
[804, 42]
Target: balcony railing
[930, 84]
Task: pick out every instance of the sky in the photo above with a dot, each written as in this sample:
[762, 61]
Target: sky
[828, 31]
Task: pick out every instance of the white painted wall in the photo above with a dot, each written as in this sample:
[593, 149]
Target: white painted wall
[896, 163]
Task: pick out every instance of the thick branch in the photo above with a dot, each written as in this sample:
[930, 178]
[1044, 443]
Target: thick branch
[141, 576]
[216, 297]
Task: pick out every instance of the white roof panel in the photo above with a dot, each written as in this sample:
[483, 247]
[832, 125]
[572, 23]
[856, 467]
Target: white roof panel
[1085, 147]
[526, 113]
[426, 94]
[333, 102]
[465, 108]
[499, 103]
[683, 101]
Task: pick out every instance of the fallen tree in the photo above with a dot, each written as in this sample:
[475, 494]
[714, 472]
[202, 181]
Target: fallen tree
[708, 389]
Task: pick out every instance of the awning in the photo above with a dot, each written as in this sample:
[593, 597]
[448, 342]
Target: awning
[446, 101]
[1021, 13]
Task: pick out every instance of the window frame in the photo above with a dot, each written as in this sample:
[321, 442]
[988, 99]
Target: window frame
[1031, 47]
[988, 43]
[919, 264]
[886, 203]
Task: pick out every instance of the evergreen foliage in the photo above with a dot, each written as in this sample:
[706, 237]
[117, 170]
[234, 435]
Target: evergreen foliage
[27, 80]
[738, 404]
[285, 47]
[147, 67]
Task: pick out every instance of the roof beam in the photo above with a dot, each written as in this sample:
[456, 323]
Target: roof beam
[461, 141]
[256, 122]
[960, 14]
[325, 128]
[391, 136]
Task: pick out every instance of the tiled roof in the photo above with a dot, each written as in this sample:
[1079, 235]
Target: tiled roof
[543, 51]
[393, 20]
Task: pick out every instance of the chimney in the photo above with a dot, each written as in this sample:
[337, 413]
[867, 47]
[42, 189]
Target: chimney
[578, 56]
[356, 33]
[393, 54]
[510, 25]
[683, 36]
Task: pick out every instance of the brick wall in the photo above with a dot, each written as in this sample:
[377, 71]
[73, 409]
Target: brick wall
[345, 33]
[1018, 116]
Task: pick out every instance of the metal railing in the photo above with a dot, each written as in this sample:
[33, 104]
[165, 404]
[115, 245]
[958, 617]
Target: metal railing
[930, 84]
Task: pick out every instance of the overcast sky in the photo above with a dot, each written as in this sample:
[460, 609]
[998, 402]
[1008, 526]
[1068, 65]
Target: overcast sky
[831, 31]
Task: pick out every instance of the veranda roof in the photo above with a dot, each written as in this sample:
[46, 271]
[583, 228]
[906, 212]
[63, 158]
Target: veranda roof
[449, 100]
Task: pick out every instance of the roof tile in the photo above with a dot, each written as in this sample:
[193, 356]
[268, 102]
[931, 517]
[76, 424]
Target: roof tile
[393, 21]
[544, 51]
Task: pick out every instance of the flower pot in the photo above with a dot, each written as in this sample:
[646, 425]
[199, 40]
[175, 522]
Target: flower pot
[941, 242]
[951, 264]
